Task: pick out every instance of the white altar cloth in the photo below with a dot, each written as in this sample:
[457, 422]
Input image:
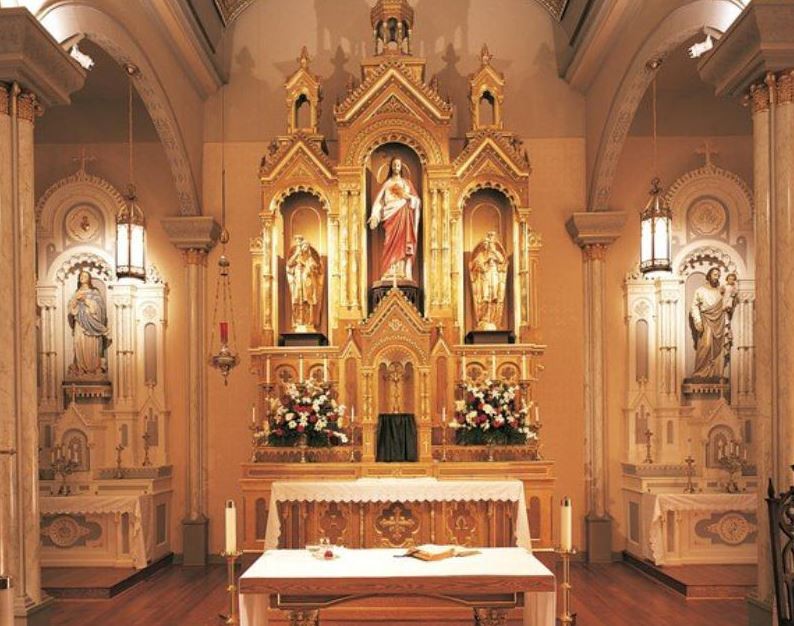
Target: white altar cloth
[398, 490]
[376, 564]
[658, 505]
[137, 507]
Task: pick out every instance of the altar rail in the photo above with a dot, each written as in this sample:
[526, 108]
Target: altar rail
[354, 525]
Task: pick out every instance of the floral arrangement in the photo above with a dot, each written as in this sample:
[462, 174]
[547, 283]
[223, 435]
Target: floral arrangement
[488, 415]
[309, 409]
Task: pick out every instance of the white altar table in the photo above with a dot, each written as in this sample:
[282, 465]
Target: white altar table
[295, 580]
[131, 541]
[681, 543]
[398, 490]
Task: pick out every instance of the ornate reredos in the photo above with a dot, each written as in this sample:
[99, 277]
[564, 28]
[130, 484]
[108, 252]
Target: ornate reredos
[396, 323]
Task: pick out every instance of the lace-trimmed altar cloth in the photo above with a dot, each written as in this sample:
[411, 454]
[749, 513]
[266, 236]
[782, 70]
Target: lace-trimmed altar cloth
[137, 507]
[662, 503]
[398, 490]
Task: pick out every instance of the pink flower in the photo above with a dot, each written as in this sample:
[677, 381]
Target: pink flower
[300, 428]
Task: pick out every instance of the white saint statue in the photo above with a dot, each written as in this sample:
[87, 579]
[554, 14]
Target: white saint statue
[397, 207]
[305, 278]
[88, 320]
[488, 274]
[710, 317]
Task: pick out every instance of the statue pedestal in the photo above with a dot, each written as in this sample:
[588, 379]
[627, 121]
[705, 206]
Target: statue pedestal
[700, 387]
[302, 340]
[409, 289]
[477, 337]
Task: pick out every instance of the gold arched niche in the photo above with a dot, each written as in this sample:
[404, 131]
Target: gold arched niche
[376, 172]
[487, 210]
[301, 213]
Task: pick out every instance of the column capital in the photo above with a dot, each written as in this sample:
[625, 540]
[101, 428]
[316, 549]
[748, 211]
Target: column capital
[198, 232]
[31, 57]
[760, 41]
[595, 228]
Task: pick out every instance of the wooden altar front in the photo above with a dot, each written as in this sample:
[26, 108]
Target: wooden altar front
[396, 524]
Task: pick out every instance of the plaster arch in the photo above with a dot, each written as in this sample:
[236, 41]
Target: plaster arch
[697, 251]
[681, 24]
[69, 18]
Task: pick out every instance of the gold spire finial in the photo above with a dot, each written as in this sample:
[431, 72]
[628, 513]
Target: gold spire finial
[304, 58]
[485, 55]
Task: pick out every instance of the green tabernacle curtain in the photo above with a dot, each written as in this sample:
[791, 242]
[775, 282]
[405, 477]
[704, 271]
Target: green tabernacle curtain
[396, 437]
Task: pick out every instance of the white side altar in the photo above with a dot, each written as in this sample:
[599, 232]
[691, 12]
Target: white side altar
[295, 576]
[399, 490]
[697, 528]
[125, 530]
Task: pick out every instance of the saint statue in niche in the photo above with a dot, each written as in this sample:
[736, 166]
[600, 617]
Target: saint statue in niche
[488, 274]
[88, 321]
[305, 278]
[397, 207]
[710, 320]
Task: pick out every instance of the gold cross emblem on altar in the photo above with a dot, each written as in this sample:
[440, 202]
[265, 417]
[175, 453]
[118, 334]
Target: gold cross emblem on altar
[396, 526]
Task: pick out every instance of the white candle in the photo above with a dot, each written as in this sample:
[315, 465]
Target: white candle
[463, 369]
[524, 366]
[566, 525]
[493, 366]
[300, 368]
[267, 370]
[325, 369]
[536, 413]
[444, 415]
[253, 413]
[231, 527]
[352, 414]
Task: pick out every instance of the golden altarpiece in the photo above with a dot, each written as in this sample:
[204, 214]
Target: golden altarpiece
[395, 340]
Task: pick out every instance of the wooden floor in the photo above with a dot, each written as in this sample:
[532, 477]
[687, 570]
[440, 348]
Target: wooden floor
[604, 595]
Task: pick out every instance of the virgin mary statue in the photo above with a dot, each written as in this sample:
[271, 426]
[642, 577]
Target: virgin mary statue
[397, 206]
[88, 319]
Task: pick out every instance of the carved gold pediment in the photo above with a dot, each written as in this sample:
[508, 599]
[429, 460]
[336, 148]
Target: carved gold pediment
[393, 75]
[395, 104]
[495, 149]
[296, 157]
[396, 322]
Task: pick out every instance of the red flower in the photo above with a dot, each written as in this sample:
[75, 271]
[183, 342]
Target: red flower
[300, 428]
[312, 419]
[461, 418]
[482, 417]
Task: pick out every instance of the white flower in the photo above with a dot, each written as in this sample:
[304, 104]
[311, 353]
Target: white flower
[291, 425]
[488, 409]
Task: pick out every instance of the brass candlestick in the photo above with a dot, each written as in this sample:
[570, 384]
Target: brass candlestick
[119, 473]
[565, 586]
[733, 462]
[63, 466]
[352, 438]
[234, 613]
[146, 460]
[690, 472]
[303, 444]
[648, 444]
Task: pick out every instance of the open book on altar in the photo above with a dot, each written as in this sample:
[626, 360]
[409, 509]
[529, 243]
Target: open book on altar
[432, 552]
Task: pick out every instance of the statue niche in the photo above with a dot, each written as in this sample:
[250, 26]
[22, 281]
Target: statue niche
[302, 267]
[88, 321]
[394, 192]
[487, 256]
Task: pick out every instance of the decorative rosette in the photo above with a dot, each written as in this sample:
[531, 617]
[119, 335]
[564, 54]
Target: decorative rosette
[310, 409]
[488, 415]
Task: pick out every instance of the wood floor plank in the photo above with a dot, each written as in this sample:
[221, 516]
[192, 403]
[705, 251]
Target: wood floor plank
[603, 595]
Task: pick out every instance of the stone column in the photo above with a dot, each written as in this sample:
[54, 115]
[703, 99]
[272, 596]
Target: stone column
[34, 71]
[754, 61]
[594, 232]
[195, 236]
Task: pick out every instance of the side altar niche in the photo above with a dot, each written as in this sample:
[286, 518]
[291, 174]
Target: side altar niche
[396, 272]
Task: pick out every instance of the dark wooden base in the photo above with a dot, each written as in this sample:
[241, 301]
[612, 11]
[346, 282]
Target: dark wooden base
[302, 340]
[96, 583]
[478, 337]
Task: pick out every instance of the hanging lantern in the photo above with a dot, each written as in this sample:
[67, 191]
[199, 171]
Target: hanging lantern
[131, 239]
[656, 220]
[656, 223]
[130, 221]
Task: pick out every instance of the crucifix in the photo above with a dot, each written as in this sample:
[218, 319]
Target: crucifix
[395, 373]
[82, 159]
[690, 471]
[707, 151]
[119, 473]
[648, 444]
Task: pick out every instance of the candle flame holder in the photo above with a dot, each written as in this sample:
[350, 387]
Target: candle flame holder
[234, 610]
[565, 587]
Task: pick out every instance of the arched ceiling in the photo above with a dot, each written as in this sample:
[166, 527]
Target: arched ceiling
[229, 10]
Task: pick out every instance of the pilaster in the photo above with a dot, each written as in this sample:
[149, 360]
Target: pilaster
[594, 232]
[195, 236]
[754, 61]
[34, 71]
